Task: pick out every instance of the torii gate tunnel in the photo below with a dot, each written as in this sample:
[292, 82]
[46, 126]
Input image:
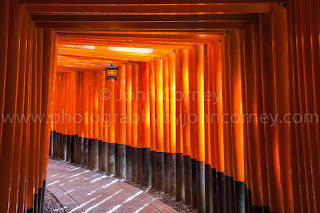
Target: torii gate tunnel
[215, 101]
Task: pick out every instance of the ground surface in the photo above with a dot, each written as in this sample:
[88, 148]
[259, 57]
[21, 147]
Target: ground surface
[82, 190]
[51, 204]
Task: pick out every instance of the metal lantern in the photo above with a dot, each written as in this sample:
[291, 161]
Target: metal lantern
[112, 72]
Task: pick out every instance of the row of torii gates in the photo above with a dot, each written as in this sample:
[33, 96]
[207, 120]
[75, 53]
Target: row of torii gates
[176, 118]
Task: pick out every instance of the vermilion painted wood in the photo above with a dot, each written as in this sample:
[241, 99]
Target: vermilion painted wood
[19, 110]
[4, 17]
[137, 2]
[152, 106]
[155, 18]
[268, 93]
[32, 157]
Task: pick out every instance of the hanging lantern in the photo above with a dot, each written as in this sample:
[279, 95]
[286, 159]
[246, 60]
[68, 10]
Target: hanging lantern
[112, 72]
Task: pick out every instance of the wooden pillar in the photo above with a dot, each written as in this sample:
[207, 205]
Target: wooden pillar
[93, 146]
[166, 123]
[129, 97]
[122, 121]
[180, 196]
[111, 129]
[159, 123]
[236, 106]
[268, 91]
[218, 146]
[251, 143]
[4, 33]
[172, 120]
[280, 64]
[135, 120]
[145, 119]
[199, 56]
[152, 124]
[23, 183]
[184, 75]
[20, 112]
[32, 157]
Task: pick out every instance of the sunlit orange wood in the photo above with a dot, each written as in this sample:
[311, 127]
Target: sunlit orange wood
[19, 110]
[122, 104]
[172, 102]
[152, 106]
[158, 75]
[4, 17]
[184, 75]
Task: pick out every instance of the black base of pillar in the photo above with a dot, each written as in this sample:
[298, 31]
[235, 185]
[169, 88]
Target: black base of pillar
[81, 150]
[111, 158]
[180, 177]
[239, 192]
[173, 173]
[201, 186]
[209, 188]
[76, 148]
[86, 153]
[103, 156]
[188, 177]
[134, 164]
[221, 198]
[52, 134]
[167, 172]
[122, 160]
[71, 157]
[68, 148]
[139, 166]
[194, 183]
[214, 190]
[229, 194]
[64, 147]
[160, 170]
[153, 170]
[128, 163]
[146, 167]
[93, 149]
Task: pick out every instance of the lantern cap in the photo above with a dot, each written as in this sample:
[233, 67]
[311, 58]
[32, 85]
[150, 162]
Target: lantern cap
[111, 67]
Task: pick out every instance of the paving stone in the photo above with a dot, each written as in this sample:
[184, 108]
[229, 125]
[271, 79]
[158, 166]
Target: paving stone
[82, 190]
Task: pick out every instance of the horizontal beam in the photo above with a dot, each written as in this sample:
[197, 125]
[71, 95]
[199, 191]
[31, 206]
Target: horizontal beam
[142, 2]
[130, 18]
[138, 25]
[150, 9]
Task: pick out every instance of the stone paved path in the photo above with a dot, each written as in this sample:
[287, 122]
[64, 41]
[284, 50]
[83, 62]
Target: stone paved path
[82, 190]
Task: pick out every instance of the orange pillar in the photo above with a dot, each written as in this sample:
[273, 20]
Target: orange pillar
[111, 128]
[199, 56]
[280, 65]
[152, 123]
[93, 145]
[135, 121]
[145, 127]
[218, 108]
[20, 112]
[159, 123]
[23, 183]
[122, 121]
[172, 120]
[166, 124]
[251, 143]
[180, 195]
[268, 92]
[4, 23]
[129, 98]
[185, 107]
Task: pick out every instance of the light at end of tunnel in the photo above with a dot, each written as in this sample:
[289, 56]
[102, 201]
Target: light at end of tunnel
[131, 49]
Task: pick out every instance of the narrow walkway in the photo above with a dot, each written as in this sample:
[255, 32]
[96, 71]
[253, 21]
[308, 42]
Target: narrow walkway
[82, 190]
